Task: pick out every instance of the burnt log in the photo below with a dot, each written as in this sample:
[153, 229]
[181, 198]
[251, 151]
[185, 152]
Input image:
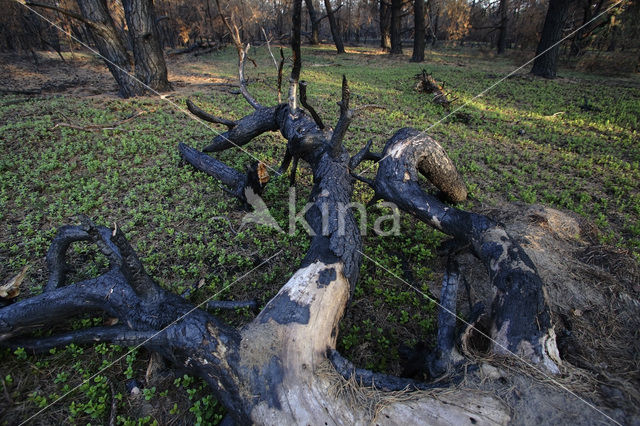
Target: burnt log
[520, 317]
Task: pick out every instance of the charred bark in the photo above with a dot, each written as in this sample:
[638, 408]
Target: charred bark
[99, 23]
[428, 84]
[546, 64]
[333, 25]
[502, 29]
[521, 322]
[396, 30]
[385, 25]
[315, 23]
[150, 66]
[418, 32]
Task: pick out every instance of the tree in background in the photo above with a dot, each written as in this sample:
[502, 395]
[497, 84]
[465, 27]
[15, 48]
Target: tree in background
[385, 25]
[396, 27]
[335, 31]
[315, 23]
[502, 30]
[149, 64]
[546, 64]
[418, 32]
[148, 58]
[500, 23]
[457, 19]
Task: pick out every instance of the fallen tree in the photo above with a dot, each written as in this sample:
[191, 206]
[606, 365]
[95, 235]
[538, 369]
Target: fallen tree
[283, 367]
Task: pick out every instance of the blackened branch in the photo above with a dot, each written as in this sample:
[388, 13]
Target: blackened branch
[132, 268]
[286, 161]
[294, 169]
[236, 182]
[233, 304]
[297, 61]
[200, 113]
[343, 122]
[280, 67]
[305, 104]
[69, 234]
[57, 251]
[120, 335]
[441, 359]
[364, 154]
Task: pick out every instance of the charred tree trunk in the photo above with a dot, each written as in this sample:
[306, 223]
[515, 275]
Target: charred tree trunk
[385, 25]
[502, 30]
[333, 25]
[546, 64]
[418, 33]
[149, 61]
[99, 23]
[105, 34]
[150, 68]
[315, 23]
[396, 30]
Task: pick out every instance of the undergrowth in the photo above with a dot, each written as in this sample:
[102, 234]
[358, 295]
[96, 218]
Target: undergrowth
[527, 140]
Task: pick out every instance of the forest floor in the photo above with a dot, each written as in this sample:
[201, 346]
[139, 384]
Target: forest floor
[72, 146]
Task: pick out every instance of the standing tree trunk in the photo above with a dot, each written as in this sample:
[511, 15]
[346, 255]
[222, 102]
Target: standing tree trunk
[580, 39]
[110, 45]
[613, 34]
[434, 30]
[148, 57]
[419, 34]
[546, 64]
[396, 35]
[502, 31]
[99, 23]
[385, 25]
[335, 31]
[315, 24]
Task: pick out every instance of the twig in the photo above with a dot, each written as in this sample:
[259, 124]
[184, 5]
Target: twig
[21, 91]
[278, 67]
[114, 406]
[6, 392]
[269, 47]
[98, 127]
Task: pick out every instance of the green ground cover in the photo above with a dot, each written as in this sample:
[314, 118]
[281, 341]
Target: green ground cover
[526, 140]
